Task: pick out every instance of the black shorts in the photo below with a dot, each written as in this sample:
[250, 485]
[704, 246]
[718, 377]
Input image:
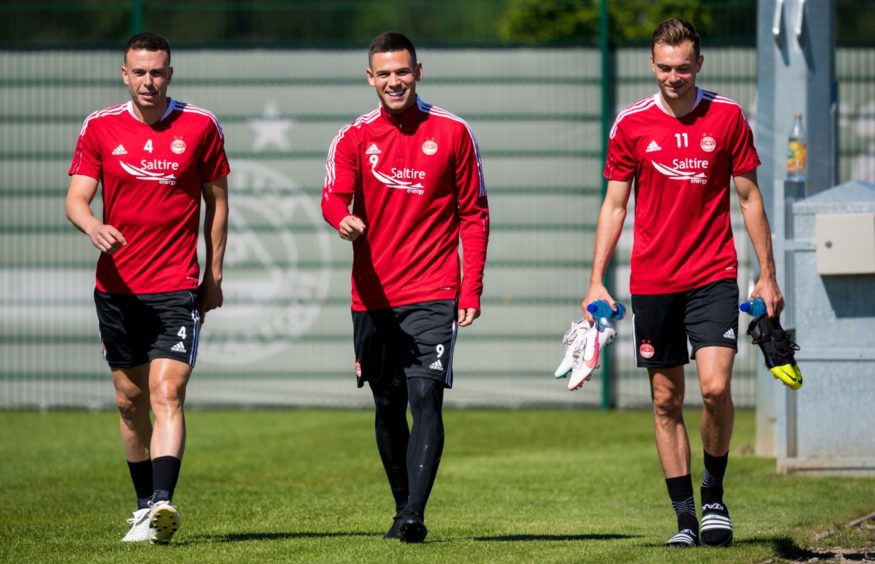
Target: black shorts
[138, 328]
[707, 315]
[409, 341]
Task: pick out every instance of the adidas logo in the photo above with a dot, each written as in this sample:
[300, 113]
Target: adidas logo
[713, 507]
[436, 365]
[654, 146]
[120, 150]
[729, 334]
[178, 347]
[373, 150]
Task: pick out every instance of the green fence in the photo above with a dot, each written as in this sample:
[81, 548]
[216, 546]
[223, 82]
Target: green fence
[284, 335]
[352, 23]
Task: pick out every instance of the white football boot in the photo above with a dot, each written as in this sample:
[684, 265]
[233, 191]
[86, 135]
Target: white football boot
[583, 343]
[164, 520]
[574, 341]
[140, 528]
[597, 338]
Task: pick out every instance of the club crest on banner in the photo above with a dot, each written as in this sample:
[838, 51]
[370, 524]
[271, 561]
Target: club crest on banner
[276, 268]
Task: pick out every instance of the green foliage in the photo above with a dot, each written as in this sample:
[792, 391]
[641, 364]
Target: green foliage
[855, 21]
[307, 486]
[348, 23]
[62, 22]
[304, 23]
[539, 22]
[636, 19]
[536, 22]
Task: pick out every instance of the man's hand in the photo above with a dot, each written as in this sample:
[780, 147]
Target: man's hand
[596, 292]
[767, 289]
[467, 316]
[209, 296]
[351, 227]
[106, 238]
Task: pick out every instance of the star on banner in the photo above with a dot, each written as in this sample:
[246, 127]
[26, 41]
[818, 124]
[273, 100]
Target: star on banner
[271, 130]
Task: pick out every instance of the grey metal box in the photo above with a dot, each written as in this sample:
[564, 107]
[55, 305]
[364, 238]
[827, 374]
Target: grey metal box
[826, 427]
[845, 243]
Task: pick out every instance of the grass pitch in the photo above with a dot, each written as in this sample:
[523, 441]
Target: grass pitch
[514, 486]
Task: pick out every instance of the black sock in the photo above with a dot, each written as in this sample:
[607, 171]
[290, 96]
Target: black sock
[680, 490]
[141, 476]
[426, 445]
[165, 473]
[716, 525]
[712, 482]
[390, 426]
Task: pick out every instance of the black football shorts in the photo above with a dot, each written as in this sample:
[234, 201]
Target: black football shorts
[408, 341]
[138, 328]
[707, 316]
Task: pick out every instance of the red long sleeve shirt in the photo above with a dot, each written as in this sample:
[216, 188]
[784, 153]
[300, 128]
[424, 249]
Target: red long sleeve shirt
[417, 183]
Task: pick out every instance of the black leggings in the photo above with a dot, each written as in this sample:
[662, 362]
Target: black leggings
[411, 459]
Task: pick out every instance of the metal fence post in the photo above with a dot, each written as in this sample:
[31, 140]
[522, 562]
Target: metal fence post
[136, 16]
[607, 117]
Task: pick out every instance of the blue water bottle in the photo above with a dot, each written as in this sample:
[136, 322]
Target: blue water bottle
[602, 309]
[755, 307]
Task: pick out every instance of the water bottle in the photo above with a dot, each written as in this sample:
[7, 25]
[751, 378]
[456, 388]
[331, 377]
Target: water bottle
[601, 309]
[797, 151]
[755, 307]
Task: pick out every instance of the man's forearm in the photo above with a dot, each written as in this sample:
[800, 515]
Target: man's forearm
[216, 237]
[608, 231]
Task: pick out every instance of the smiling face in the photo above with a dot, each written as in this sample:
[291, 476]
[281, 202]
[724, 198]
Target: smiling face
[147, 75]
[675, 68]
[394, 74]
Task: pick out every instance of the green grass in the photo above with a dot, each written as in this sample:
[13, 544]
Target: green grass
[514, 486]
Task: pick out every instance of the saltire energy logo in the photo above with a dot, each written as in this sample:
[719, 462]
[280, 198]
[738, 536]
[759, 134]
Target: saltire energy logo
[159, 171]
[408, 179]
[680, 170]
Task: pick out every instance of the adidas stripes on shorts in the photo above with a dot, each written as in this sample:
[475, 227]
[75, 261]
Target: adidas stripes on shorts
[138, 328]
[408, 341]
[707, 316]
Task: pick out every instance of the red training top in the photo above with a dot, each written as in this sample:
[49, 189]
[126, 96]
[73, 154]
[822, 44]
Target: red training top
[682, 167]
[152, 178]
[417, 183]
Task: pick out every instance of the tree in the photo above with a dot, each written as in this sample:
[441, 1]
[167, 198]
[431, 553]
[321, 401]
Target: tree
[540, 22]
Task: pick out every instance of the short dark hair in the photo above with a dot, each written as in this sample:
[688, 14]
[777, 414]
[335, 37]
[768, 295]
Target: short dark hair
[391, 41]
[148, 41]
[675, 31]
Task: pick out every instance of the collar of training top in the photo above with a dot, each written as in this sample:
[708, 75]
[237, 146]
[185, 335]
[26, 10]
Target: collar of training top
[410, 117]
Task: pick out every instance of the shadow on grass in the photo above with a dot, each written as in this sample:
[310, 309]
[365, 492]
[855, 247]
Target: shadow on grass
[528, 538]
[245, 537]
[786, 549]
